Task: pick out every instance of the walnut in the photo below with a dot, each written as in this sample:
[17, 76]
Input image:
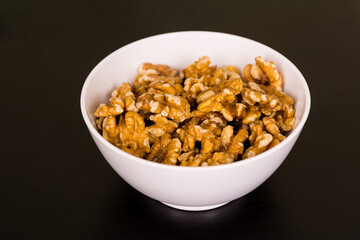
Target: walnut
[227, 136]
[127, 96]
[285, 116]
[196, 114]
[286, 124]
[260, 145]
[201, 89]
[168, 105]
[159, 69]
[233, 110]
[272, 127]
[204, 96]
[150, 73]
[255, 95]
[233, 82]
[165, 150]
[99, 122]
[213, 122]
[218, 76]
[233, 144]
[197, 160]
[212, 133]
[111, 131]
[199, 117]
[190, 135]
[187, 155]
[207, 159]
[122, 100]
[273, 143]
[205, 128]
[162, 125]
[253, 73]
[285, 99]
[218, 98]
[216, 102]
[193, 87]
[142, 82]
[199, 68]
[162, 88]
[237, 145]
[116, 107]
[251, 114]
[195, 133]
[256, 128]
[210, 143]
[232, 68]
[219, 158]
[275, 78]
[133, 136]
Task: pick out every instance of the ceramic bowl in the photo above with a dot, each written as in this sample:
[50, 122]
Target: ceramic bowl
[191, 188]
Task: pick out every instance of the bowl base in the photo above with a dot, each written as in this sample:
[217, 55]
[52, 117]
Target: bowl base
[192, 208]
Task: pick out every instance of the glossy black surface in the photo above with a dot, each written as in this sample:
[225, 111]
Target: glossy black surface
[55, 184]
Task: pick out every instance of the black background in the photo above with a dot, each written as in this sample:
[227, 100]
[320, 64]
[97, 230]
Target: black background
[55, 184]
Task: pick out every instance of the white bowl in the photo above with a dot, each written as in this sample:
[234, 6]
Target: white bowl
[191, 188]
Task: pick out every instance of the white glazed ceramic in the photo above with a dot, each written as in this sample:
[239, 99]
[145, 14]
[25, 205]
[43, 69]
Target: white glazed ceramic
[191, 188]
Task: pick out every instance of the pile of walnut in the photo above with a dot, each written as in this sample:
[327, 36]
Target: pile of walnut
[200, 116]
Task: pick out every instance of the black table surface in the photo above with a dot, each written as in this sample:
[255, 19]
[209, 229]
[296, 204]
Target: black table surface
[54, 182]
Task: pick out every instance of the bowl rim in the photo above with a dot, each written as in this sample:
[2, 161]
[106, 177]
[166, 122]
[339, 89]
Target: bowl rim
[124, 154]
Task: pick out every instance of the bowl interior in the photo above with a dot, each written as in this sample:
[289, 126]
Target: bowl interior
[179, 50]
